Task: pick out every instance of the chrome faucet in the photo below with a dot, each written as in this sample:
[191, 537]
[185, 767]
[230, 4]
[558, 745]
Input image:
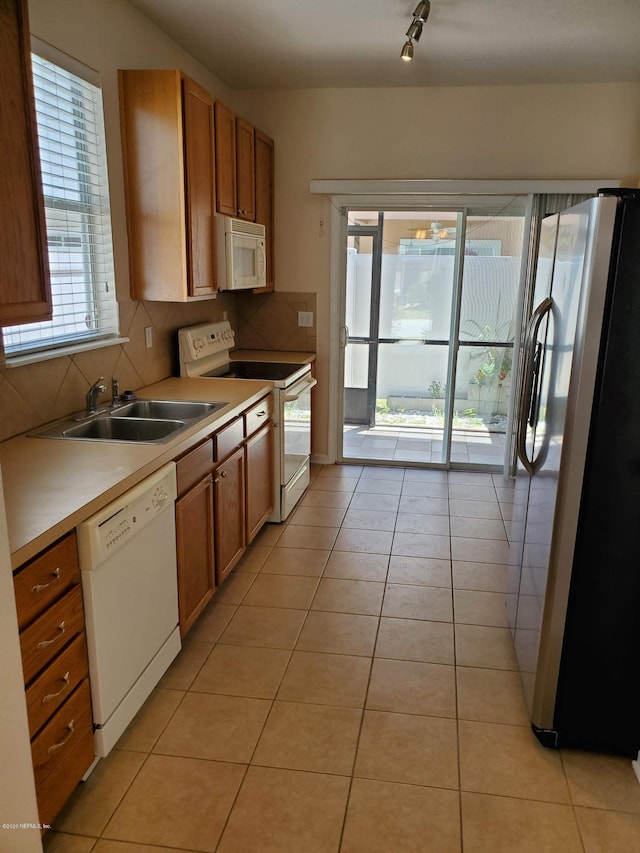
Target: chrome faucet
[115, 393]
[92, 396]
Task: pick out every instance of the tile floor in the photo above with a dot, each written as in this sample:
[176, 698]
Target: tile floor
[422, 444]
[352, 688]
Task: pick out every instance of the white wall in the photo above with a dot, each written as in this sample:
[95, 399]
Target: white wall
[17, 790]
[526, 132]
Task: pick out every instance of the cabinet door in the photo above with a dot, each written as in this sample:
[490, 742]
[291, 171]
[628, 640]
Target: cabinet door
[229, 513]
[259, 479]
[245, 170]
[194, 534]
[264, 158]
[200, 198]
[25, 290]
[225, 135]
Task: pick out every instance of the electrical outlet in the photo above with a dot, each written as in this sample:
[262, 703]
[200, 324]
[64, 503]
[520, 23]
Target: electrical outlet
[305, 319]
[148, 337]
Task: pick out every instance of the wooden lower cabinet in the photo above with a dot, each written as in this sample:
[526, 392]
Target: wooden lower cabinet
[259, 479]
[194, 535]
[229, 513]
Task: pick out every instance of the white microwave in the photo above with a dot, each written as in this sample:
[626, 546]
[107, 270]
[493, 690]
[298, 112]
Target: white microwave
[241, 254]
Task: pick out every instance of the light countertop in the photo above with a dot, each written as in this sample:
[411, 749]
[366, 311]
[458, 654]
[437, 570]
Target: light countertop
[51, 485]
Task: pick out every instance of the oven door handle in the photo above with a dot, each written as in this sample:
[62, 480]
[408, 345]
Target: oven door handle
[299, 388]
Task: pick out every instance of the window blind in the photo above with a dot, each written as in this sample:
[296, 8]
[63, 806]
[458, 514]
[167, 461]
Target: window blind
[76, 197]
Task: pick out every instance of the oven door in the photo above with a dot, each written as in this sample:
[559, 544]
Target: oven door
[295, 417]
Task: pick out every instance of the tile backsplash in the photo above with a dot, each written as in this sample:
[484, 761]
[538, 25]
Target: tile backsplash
[34, 394]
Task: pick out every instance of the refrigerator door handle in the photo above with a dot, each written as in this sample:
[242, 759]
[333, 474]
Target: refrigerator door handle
[527, 413]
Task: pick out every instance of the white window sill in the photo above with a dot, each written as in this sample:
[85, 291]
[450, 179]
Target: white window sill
[72, 349]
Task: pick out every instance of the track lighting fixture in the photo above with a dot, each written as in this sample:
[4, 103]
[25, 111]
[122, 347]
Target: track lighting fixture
[414, 32]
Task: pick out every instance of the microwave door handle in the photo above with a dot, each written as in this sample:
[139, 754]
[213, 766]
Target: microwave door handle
[299, 388]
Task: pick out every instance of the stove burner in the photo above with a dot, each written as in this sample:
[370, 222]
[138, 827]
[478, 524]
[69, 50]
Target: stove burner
[271, 370]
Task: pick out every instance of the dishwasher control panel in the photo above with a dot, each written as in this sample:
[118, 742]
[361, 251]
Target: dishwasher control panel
[110, 529]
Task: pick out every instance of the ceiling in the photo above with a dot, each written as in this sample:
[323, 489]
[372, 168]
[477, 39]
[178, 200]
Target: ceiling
[275, 44]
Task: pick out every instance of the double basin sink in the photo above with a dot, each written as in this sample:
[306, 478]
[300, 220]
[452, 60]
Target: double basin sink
[143, 421]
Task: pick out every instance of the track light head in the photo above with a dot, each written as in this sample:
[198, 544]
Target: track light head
[407, 51]
[422, 10]
[415, 30]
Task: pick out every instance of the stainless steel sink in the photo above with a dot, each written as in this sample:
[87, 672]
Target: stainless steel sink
[166, 410]
[124, 429]
[144, 421]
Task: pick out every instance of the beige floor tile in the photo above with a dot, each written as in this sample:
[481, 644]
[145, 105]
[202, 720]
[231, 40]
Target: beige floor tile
[354, 566]
[414, 639]
[324, 679]
[338, 470]
[469, 549]
[235, 587]
[404, 748]
[423, 489]
[124, 847]
[509, 761]
[364, 541]
[379, 486]
[421, 545]
[212, 622]
[332, 500]
[222, 728]
[383, 503]
[281, 591]
[309, 737]
[369, 519]
[60, 842]
[474, 509]
[424, 506]
[386, 817]
[602, 781]
[418, 602]
[468, 492]
[415, 522]
[378, 472]
[349, 596]
[286, 811]
[316, 516]
[270, 627]
[470, 478]
[481, 646]
[164, 806]
[478, 528]
[609, 832]
[491, 696]
[424, 571]
[186, 665]
[91, 805]
[334, 484]
[269, 535]
[295, 561]
[150, 721]
[505, 825]
[485, 577]
[338, 633]
[253, 558]
[242, 671]
[306, 536]
[412, 687]
[480, 608]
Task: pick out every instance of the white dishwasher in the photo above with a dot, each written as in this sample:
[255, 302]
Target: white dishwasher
[130, 590]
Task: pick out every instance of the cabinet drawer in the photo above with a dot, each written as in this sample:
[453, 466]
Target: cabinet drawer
[229, 438]
[46, 578]
[193, 466]
[56, 683]
[258, 415]
[55, 790]
[63, 732]
[51, 632]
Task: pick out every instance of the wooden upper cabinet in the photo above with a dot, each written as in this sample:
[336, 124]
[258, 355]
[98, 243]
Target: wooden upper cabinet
[245, 170]
[264, 169]
[225, 131]
[25, 290]
[168, 147]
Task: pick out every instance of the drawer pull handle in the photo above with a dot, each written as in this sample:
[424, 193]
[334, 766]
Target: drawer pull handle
[261, 414]
[49, 696]
[44, 643]
[71, 726]
[40, 586]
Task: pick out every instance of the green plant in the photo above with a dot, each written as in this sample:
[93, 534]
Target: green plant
[436, 388]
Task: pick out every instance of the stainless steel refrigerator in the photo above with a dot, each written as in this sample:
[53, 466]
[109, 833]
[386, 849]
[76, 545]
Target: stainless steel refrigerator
[575, 534]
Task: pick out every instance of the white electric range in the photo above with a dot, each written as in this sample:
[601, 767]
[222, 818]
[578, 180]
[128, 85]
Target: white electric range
[205, 351]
